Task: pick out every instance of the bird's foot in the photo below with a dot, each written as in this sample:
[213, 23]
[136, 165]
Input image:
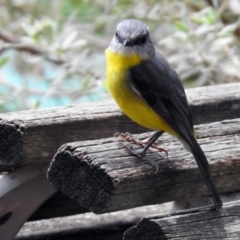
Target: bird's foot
[128, 137]
[160, 149]
[139, 153]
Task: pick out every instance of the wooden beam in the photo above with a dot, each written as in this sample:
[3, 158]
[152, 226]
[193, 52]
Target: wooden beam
[103, 178]
[35, 135]
[88, 226]
[190, 224]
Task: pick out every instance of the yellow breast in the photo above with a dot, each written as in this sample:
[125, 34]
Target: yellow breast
[127, 99]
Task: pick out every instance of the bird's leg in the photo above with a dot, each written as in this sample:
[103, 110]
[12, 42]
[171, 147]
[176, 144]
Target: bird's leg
[146, 140]
[149, 141]
[140, 153]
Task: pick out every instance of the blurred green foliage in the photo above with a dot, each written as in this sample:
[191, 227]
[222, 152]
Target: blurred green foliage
[85, 10]
[52, 52]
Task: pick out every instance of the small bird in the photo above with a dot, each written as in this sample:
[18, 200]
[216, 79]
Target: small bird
[149, 91]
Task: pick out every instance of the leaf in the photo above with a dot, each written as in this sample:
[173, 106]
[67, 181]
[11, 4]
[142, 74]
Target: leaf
[197, 19]
[209, 18]
[212, 16]
[181, 26]
[3, 61]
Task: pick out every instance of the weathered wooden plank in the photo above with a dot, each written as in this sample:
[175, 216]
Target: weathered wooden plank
[110, 226]
[35, 135]
[60, 205]
[190, 224]
[103, 178]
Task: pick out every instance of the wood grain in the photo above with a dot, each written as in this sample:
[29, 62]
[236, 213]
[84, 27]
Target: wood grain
[35, 135]
[103, 178]
[190, 224]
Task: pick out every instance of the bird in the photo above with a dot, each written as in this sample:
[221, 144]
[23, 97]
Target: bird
[150, 92]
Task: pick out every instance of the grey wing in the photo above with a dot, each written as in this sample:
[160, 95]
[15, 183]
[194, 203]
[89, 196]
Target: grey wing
[161, 88]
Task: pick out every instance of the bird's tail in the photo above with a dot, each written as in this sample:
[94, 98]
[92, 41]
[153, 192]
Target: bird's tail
[204, 168]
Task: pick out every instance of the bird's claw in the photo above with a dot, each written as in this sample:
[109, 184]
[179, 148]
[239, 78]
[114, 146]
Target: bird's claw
[139, 153]
[127, 137]
[160, 149]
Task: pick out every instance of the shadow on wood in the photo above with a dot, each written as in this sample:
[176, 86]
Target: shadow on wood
[59, 205]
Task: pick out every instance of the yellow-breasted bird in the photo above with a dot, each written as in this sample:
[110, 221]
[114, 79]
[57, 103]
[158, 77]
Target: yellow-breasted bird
[151, 93]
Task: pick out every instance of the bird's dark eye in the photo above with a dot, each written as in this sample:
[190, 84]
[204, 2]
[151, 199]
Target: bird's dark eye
[117, 35]
[143, 39]
[140, 40]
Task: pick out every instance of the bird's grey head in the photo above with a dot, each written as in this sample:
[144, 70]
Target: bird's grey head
[132, 37]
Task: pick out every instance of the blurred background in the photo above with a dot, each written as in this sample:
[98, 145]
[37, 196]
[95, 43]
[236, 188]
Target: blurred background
[52, 52]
